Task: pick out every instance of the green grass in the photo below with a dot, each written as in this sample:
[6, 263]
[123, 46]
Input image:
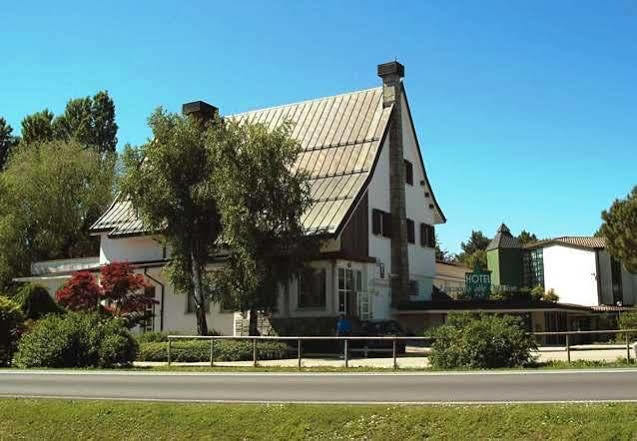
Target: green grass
[96, 420]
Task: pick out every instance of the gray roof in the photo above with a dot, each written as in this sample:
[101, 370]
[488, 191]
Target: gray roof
[504, 239]
[588, 242]
[340, 136]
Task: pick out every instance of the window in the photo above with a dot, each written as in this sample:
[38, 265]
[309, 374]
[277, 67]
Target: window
[616, 280]
[312, 289]
[533, 267]
[149, 323]
[413, 288]
[427, 236]
[409, 173]
[381, 223]
[411, 233]
[191, 306]
[350, 283]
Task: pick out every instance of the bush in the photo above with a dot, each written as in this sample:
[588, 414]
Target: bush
[482, 342]
[199, 350]
[76, 340]
[627, 320]
[11, 320]
[36, 302]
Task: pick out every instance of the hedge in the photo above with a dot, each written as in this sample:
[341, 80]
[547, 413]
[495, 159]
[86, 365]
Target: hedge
[11, 319]
[198, 350]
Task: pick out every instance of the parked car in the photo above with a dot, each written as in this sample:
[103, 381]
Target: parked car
[378, 328]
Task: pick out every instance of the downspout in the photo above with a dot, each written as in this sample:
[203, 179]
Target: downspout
[161, 308]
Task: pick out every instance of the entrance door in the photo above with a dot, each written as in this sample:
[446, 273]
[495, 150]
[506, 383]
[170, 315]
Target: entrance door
[350, 283]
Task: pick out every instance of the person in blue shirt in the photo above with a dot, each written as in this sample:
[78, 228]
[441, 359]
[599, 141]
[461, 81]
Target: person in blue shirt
[343, 329]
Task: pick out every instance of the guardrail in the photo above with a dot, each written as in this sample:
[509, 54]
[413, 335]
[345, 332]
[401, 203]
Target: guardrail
[393, 339]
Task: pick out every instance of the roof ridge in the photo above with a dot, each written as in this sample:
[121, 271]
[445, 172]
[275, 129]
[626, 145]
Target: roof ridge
[296, 103]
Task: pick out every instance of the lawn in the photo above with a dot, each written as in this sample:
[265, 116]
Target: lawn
[95, 420]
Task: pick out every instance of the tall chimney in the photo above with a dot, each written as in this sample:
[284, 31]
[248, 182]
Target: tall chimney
[391, 74]
[200, 109]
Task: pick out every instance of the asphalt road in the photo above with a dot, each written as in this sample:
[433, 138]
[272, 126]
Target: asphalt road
[555, 386]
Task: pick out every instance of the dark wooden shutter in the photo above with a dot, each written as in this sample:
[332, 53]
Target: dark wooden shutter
[432, 237]
[409, 173]
[423, 235]
[386, 224]
[411, 233]
[376, 221]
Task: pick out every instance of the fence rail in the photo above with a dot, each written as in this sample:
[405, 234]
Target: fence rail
[393, 339]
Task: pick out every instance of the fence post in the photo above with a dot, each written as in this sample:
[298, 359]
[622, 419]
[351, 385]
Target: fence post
[212, 347]
[628, 347]
[254, 352]
[568, 348]
[394, 353]
[298, 351]
[345, 355]
[169, 342]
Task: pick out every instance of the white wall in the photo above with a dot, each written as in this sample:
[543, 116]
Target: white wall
[571, 272]
[129, 249]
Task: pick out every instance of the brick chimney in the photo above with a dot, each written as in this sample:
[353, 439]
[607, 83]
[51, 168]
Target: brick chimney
[392, 74]
[200, 109]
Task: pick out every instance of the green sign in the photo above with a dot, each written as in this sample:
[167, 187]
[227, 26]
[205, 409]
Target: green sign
[478, 284]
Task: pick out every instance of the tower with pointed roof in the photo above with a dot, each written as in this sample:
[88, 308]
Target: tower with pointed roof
[504, 259]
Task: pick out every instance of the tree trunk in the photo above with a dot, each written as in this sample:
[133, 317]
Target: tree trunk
[253, 328]
[198, 294]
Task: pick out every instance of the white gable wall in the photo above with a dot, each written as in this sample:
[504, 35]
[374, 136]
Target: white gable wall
[571, 272]
[129, 249]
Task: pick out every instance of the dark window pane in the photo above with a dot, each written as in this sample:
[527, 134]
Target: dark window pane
[409, 173]
[312, 289]
[387, 225]
[376, 221]
[411, 234]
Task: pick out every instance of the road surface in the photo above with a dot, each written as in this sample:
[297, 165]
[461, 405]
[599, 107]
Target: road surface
[498, 386]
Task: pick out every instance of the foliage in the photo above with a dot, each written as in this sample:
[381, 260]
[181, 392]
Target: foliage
[477, 261]
[50, 195]
[620, 230]
[261, 199]
[550, 296]
[124, 292]
[537, 293]
[628, 320]
[80, 293]
[35, 302]
[474, 250]
[76, 340]
[442, 255]
[7, 141]
[11, 319]
[223, 350]
[484, 342]
[525, 237]
[174, 194]
[90, 121]
[38, 127]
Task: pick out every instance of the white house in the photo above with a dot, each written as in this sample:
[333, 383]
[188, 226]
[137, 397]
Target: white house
[371, 198]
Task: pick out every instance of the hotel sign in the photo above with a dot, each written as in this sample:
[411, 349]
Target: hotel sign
[478, 284]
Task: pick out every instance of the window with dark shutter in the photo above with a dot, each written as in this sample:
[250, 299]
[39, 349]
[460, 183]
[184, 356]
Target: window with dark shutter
[423, 235]
[409, 173]
[411, 233]
[413, 288]
[376, 221]
[432, 237]
[386, 224]
[427, 236]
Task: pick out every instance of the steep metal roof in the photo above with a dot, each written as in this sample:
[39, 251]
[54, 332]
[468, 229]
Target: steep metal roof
[340, 137]
[504, 239]
[588, 242]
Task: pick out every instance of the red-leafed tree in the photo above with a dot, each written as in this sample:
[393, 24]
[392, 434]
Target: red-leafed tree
[121, 293]
[126, 293]
[80, 293]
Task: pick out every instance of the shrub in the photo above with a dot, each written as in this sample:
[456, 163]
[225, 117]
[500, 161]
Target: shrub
[36, 302]
[198, 350]
[76, 340]
[484, 341]
[627, 320]
[11, 319]
[551, 296]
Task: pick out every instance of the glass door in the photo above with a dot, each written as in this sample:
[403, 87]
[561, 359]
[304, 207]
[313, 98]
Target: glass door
[350, 283]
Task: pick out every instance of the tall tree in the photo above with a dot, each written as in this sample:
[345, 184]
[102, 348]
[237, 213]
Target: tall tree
[7, 141]
[525, 237]
[38, 127]
[477, 242]
[50, 194]
[91, 121]
[261, 201]
[169, 182]
[442, 255]
[620, 230]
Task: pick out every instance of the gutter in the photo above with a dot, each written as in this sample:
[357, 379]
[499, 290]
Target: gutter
[161, 308]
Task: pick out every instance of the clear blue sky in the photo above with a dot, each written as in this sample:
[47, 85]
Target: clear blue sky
[526, 111]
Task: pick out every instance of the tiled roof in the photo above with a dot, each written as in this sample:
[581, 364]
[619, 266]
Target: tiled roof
[504, 239]
[451, 270]
[340, 137]
[590, 242]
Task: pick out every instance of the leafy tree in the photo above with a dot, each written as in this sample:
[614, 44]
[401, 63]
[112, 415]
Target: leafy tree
[91, 121]
[80, 293]
[477, 261]
[442, 255]
[525, 237]
[124, 292]
[7, 141]
[477, 242]
[11, 319]
[36, 302]
[50, 195]
[620, 230]
[38, 127]
[169, 181]
[261, 201]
